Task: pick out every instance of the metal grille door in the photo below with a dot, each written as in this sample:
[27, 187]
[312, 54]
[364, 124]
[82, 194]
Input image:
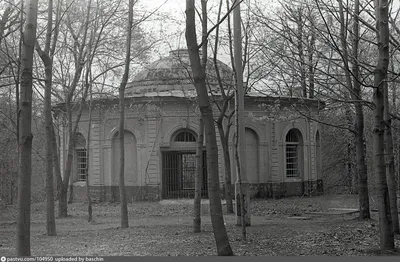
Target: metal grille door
[178, 175]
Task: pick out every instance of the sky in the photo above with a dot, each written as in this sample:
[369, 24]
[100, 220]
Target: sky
[168, 23]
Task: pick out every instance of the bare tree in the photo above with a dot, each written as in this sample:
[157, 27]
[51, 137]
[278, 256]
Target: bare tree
[88, 197]
[390, 171]
[47, 56]
[199, 76]
[198, 179]
[124, 206]
[224, 130]
[380, 74]
[354, 87]
[89, 84]
[79, 62]
[26, 137]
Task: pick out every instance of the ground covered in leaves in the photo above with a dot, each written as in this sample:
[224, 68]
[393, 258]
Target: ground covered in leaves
[285, 227]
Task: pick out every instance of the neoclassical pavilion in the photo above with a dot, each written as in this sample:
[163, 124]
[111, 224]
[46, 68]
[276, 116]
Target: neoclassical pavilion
[161, 126]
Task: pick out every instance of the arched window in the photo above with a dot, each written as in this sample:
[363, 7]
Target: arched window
[294, 142]
[185, 135]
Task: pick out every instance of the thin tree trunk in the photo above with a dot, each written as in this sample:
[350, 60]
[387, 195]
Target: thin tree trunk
[90, 105]
[385, 219]
[311, 70]
[124, 205]
[217, 219]
[71, 194]
[390, 171]
[89, 198]
[224, 136]
[395, 127]
[51, 223]
[239, 180]
[300, 48]
[363, 195]
[199, 179]
[73, 127]
[17, 85]
[63, 199]
[355, 91]
[48, 64]
[227, 161]
[122, 191]
[200, 138]
[351, 177]
[240, 128]
[25, 164]
[359, 123]
[56, 162]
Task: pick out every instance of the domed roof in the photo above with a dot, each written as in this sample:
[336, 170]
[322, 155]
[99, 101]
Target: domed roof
[173, 73]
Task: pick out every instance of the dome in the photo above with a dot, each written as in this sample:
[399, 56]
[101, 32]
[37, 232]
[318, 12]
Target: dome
[173, 73]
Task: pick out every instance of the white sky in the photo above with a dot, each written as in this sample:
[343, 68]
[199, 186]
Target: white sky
[168, 23]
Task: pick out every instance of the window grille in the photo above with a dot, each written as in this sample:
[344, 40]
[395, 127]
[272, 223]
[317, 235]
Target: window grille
[188, 170]
[178, 174]
[81, 164]
[292, 154]
[185, 136]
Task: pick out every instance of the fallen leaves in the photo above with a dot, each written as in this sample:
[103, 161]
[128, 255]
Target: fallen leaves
[166, 230]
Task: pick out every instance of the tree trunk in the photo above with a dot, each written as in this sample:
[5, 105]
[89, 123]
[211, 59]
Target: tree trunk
[311, 69]
[242, 185]
[224, 136]
[300, 49]
[239, 180]
[355, 92]
[51, 223]
[390, 171]
[17, 92]
[385, 219]
[199, 179]
[71, 194]
[26, 137]
[63, 199]
[73, 127]
[56, 162]
[89, 198]
[124, 205]
[227, 162]
[63, 202]
[363, 195]
[200, 138]
[90, 105]
[352, 176]
[199, 76]
[48, 66]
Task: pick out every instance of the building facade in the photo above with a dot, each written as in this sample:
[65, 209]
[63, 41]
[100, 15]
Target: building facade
[161, 125]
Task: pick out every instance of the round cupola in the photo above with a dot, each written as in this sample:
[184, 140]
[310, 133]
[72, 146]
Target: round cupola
[173, 73]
